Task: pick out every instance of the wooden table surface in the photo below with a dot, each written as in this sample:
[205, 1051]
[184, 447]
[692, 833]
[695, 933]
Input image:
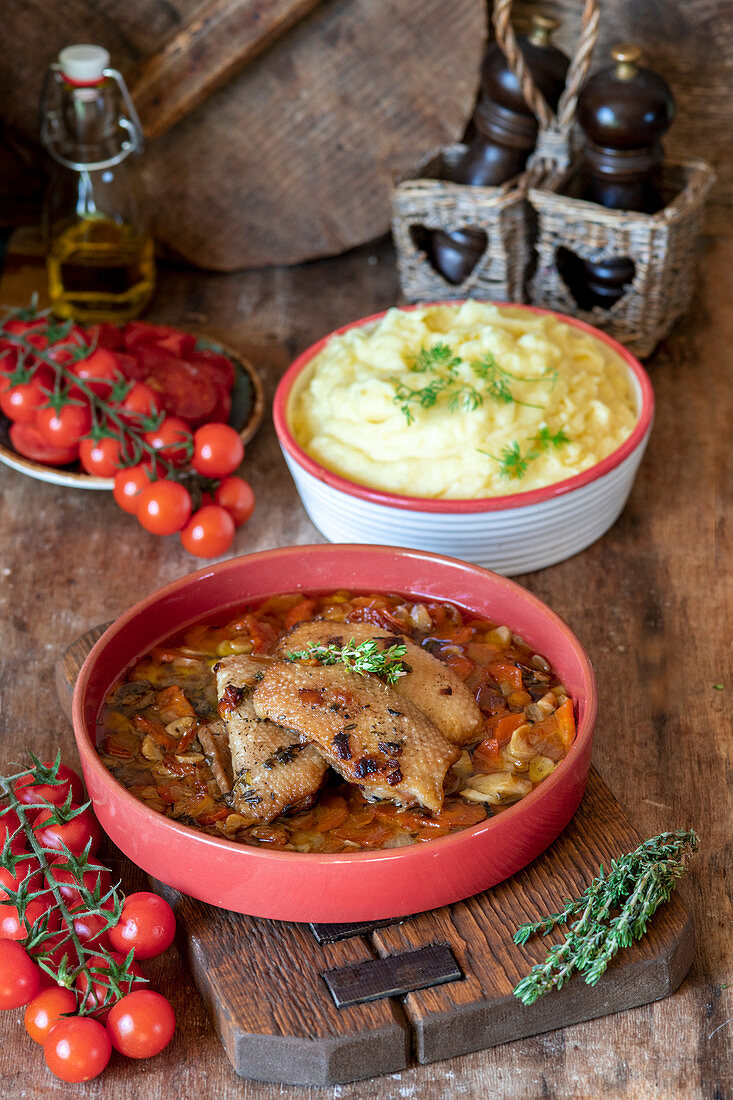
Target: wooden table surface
[651, 602]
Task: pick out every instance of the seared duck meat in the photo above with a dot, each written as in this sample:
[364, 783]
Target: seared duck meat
[367, 732]
[430, 685]
[214, 740]
[274, 771]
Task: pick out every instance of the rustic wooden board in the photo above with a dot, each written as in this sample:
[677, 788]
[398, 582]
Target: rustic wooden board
[263, 981]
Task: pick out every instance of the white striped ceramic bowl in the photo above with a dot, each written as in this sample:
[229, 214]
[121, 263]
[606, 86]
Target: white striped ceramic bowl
[511, 534]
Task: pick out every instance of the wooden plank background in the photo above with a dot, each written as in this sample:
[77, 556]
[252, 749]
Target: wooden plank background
[690, 42]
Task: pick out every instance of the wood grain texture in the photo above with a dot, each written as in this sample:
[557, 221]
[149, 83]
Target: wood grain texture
[221, 37]
[651, 602]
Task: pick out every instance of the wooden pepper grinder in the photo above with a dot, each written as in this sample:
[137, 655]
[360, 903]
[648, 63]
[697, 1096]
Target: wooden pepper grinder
[623, 110]
[506, 132]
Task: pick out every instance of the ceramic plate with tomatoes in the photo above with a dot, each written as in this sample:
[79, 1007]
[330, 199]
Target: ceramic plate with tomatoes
[193, 377]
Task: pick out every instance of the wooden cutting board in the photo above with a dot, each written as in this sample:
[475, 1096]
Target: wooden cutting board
[326, 1004]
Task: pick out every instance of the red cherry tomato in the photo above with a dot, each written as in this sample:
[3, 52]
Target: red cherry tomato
[10, 827]
[11, 880]
[164, 507]
[75, 834]
[22, 401]
[28, 441]
[217, 450]
[77, 1049]
[129, 483]
[13, 928]
[91, 928]
[99, 371]
[20, 978]
[65, 427]
[209, 532]
[236, 496]
[96, 876]
[46, 1010]
[147, 925]
[55, 950]
[141, 1024]
[101, 457]
[101, 981]
[28, 792]
[141, 401]
[171, 439]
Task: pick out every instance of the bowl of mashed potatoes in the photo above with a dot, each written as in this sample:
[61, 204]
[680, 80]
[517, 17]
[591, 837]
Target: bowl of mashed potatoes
[508, 436]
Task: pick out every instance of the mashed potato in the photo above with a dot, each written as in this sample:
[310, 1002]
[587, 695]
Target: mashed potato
[462, 402]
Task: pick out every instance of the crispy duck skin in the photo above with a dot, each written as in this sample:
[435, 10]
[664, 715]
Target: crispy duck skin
[273, 771]
[430, 685]
[367, 732]
[214, 740]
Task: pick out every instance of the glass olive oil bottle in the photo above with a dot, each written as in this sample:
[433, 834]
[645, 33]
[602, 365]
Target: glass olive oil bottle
[99, 248]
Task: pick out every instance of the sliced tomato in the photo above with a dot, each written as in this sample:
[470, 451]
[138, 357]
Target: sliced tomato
[105, 335]
[185, 391]
[136, 333]
[215, 364]
[178, 343]
[29, 442]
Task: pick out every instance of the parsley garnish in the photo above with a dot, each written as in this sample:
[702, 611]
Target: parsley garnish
[513, 463]
[544, 439]
[441, 361]
[366, 658]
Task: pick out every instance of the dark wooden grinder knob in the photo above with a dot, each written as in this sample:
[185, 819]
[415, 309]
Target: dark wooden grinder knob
[505, 134]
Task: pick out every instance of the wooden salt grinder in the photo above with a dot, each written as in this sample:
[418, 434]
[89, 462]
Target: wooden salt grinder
[506, 132]
[623, 110]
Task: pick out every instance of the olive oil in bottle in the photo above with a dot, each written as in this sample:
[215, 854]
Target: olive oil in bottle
[99, 248]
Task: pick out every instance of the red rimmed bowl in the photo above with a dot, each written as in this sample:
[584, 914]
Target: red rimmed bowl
[511, 534]
[340, 887]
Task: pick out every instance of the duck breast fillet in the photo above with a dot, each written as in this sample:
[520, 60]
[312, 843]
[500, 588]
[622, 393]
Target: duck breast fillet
[430, 684]
[274, 772]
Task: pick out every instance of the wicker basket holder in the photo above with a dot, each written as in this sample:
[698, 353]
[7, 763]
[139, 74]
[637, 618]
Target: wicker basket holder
[428, 203]
[663, 247]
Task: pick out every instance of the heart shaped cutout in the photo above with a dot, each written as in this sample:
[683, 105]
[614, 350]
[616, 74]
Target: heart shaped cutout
[452, 253]
[595, 282]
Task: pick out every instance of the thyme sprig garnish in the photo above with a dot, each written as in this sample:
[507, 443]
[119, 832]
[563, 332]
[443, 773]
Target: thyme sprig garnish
[61, 953]
[612, 912]
[513, 463]
[367, 659]
[492, 381]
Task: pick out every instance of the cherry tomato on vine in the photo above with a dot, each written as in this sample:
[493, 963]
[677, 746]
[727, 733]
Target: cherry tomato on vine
[68, 884]
[75, 834]
[29, 865]
[28, 792]
[46, 1010]
[217, 450]
[147, 925]
[13, 928]
[65, 426]
[164, 507]
[129, 483]
[102, 981]
[209, 532]
[91, 928]
[9, 826]
[20, 978]
[141, 1024]
[101, 457]
[140, 401]
[22, 401]
[77, 1049]
[236, 496]
[99, 371]
[172, 439]
[28, 441]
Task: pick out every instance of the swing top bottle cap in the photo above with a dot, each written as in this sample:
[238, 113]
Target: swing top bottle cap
[83, 64]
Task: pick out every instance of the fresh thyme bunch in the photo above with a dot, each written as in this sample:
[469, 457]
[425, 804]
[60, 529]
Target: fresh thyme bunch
[633, 890]
[366, 658]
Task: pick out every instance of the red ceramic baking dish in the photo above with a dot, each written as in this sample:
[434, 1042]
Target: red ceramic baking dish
[335, 887]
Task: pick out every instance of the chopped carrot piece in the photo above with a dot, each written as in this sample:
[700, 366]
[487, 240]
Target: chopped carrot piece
[331, 812]
[506, 673]
[502, 726]
[487, 757]
[565, 718]
[460, 665]
[154, 730]
[460, 813]
[171, 700]
[300, 612]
